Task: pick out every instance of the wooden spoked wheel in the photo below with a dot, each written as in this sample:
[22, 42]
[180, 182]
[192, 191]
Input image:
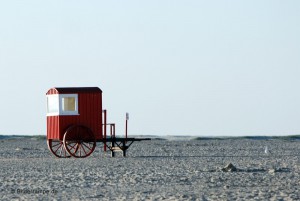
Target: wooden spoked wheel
[79, 141]
[57, 148]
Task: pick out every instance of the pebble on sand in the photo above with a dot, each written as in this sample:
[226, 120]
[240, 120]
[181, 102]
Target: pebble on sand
[229, 168]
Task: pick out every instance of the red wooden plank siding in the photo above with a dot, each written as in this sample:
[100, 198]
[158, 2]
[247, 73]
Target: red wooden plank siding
[53, 127]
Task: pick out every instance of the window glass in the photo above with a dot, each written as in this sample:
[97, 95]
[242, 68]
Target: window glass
[68, 104]
[52, 104]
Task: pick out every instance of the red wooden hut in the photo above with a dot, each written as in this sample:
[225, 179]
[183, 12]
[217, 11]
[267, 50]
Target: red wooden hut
[69, 106]
[75, 123]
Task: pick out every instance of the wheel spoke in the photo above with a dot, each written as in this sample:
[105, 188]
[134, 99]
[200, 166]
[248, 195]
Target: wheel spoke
[58, 148]
[79, 150]
[59, 143]
[60, 153]
[91, 144]
[76, 149]
[84, 149]
[72, 147]
[84, 138]
[87, 146]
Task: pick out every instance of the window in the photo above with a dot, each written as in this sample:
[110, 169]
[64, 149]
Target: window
[68, 104]
[62, 104]
[52, 104]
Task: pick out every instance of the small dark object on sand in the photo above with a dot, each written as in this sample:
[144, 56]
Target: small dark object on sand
[229, 168]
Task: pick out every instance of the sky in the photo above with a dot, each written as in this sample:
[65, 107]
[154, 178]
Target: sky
[192, 67]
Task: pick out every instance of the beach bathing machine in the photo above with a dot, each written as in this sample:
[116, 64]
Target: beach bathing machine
[76, 121]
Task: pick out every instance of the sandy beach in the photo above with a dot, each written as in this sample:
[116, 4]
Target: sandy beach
[154, 170]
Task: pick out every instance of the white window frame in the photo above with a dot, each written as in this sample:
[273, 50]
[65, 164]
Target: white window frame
[60, 105]
[61, 111]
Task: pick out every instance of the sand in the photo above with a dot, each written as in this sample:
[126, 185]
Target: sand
[154, 170]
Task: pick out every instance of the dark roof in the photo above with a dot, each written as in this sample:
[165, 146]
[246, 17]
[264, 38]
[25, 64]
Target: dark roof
[77, 89]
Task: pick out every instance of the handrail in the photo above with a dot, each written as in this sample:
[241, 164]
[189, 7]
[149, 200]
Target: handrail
[112, 127]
